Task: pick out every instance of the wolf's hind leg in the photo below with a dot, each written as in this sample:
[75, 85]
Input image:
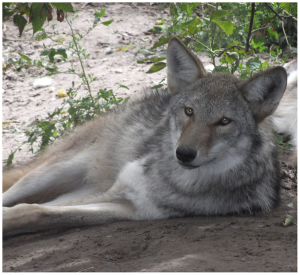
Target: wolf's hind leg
[46, 182]
[33, 217]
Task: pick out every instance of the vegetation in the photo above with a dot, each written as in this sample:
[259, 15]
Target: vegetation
[80, 109]
[234, 35]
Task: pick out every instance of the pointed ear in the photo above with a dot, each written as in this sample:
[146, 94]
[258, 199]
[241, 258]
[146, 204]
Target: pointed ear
[263, 91]
[183, 67]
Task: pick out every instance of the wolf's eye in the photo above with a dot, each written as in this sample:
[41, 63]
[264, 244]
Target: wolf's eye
[188, 111]
[224, 121]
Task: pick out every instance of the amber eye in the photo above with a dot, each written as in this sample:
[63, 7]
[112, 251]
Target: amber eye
[188, 111]
[224, 121]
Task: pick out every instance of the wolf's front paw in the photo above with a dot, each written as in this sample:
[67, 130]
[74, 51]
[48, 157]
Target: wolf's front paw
[6, 217]
[18, 219]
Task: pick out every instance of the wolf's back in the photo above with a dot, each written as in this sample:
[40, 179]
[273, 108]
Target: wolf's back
[127, 123]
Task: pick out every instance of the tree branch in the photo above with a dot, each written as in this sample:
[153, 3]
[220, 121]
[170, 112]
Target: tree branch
[262, 28]
[279, 16]
[250, 27]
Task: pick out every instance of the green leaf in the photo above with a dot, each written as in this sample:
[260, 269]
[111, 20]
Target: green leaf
[218, 15]
[123, 86]
[156, 86]
[51, 70]
[226, 26]
[265, 64]
[157, 29]
[240, 51]
[256, 45]
[229, 59]
[223, 60]
[194, 26]
[273, 33]
[157, 67]
[25, 57]
[52, 52]
[100, 14]
[21, 22]
[45, 53]
[188, 11]
[287, 6]
[51, 55]
[106, 23]
[262, 49]
[161, 41]
[67, 7]
[253, 63]
[7, 11]
[62, 52]
[38, 16]
[42, 36]
[153, 59]
[10, 158]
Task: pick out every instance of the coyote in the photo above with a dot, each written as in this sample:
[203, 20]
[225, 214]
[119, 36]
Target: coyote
[201, 147]
[285, 117]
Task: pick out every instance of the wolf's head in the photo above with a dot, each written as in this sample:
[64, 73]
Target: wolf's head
[216, 116]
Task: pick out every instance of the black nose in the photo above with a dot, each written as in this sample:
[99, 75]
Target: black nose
[185, 154]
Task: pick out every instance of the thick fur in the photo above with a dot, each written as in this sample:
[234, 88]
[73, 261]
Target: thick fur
[202, 147]
[285, 117]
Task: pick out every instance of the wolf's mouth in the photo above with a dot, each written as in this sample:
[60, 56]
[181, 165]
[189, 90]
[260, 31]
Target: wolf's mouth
[190, 165]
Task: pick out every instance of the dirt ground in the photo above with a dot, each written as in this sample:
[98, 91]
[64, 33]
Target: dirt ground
[232, 243]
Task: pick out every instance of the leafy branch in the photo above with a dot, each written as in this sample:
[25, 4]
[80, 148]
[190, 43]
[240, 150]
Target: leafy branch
[86, 81]
[37, 13]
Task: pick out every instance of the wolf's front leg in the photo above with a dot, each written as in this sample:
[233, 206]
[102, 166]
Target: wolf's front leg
[24, 218]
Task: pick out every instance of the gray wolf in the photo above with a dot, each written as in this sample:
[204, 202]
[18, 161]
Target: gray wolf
[201, 147]
[285, 117]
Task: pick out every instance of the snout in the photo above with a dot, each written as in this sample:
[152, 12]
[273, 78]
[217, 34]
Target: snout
[185, 154]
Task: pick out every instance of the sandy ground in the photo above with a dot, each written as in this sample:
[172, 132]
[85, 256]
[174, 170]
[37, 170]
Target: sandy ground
[231, 243]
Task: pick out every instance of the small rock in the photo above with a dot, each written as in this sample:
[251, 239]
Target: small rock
[209, 68]
[35, 94]
[25, 103]
[42, 82]
[51, 89]
[90, 65]
[119, 71]
[108, 50]
[286, 184]
[9, 86]
[8, 100]
[11, 75]
[102, 44]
